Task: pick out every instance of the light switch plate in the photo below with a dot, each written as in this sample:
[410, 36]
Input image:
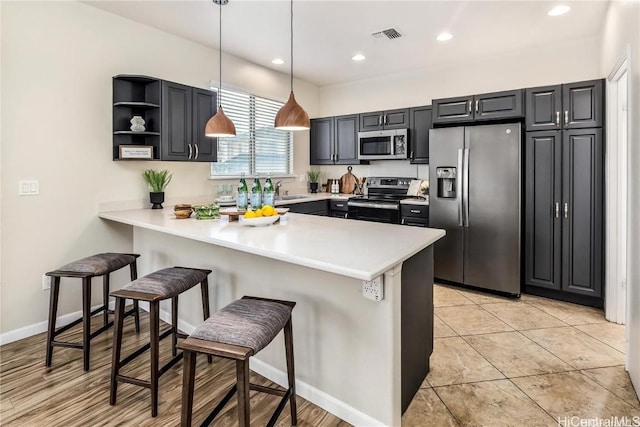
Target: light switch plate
[373, 289]
[28, 187]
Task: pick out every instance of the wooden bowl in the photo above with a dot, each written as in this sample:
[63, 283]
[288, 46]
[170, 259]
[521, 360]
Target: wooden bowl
[182, 213]
[182, 206]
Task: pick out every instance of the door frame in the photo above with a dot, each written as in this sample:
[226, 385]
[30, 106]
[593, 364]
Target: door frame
[617, 209]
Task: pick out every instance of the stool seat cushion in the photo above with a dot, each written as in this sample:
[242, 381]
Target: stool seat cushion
[168, 282]
[246, 322]
[99, 264]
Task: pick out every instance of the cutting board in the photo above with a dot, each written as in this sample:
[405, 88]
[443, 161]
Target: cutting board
[348, 182]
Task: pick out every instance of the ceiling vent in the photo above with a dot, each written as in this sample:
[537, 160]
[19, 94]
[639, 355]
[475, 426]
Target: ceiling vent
[390, 34]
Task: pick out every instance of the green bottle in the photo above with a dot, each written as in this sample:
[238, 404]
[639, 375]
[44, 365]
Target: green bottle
[243, 194]
[256, 194]
[269, 192]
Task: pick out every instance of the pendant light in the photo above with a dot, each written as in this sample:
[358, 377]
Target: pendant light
[292, 116]
[220, 125]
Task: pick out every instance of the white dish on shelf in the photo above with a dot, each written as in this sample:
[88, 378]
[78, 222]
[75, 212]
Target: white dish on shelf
[226, 202]
[260, 221]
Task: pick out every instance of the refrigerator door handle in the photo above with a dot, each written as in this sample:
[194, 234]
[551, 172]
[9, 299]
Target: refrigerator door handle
[459, 187]
[465, 189]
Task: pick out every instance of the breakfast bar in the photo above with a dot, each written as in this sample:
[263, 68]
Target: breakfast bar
[361, 359]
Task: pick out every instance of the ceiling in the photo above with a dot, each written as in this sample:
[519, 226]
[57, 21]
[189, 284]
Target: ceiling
[328, 33]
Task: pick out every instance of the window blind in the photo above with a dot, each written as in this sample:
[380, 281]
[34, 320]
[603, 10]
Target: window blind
[257, 148]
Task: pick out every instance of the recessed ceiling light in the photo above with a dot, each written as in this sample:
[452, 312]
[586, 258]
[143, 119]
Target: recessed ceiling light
[358, 57]
[443, 37]
[559, 10]
[277, 61]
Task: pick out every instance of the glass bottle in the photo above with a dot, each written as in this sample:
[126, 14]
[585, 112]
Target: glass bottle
[268, 192]
[256, 194]
[243, 194]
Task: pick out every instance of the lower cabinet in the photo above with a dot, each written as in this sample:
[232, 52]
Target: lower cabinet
[564, 206]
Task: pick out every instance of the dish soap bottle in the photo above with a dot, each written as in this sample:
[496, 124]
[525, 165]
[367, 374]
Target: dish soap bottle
[243, 194]
[269, 192]
[256, 194]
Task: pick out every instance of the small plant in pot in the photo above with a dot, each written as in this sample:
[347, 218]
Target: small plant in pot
[158, 181]
[313, 175]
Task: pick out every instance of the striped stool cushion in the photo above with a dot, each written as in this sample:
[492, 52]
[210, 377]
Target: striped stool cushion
[99, 265]
[246, 322]
[168, 282]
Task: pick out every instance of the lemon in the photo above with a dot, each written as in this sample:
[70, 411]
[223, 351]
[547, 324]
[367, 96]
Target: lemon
[259, 213]
[267, 210]
[250, 214]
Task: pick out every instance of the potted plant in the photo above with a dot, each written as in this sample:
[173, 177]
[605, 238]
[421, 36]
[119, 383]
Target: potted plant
[158, 181]
[313, 175]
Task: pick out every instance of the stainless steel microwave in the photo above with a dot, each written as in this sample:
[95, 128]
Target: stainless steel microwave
[383, 144]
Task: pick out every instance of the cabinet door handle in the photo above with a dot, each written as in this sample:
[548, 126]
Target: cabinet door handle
[340, 205]
[380, 120]
[557, 210]
[385, 119]
[558, 118]
[566, 210]
[414, 211]
[411, 155]
[402, 222]
[566, 117]
[476, 106]
[337, 157]
[197, 151]
[190, 151]
[469, 107]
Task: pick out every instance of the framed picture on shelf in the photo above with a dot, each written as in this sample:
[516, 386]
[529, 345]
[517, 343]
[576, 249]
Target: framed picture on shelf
[136, 152]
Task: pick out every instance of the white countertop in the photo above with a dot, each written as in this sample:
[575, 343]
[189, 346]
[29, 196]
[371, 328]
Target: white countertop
[358, 249]
[309, 197]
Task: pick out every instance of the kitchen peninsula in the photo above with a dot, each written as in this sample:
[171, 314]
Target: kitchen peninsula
[360, 359]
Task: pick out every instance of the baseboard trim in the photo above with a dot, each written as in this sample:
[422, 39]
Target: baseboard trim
[304, 390]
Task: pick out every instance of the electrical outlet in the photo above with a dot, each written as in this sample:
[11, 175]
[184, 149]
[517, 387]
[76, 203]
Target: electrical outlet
[46, 282]
[373, 289]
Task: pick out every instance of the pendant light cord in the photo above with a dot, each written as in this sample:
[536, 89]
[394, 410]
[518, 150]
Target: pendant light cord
[220, 57]
[291, 39]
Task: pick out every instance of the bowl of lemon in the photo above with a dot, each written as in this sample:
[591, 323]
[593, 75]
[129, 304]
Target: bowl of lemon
[264, 216]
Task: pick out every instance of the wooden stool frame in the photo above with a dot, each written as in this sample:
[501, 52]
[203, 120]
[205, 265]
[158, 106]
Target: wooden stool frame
[192, 346]
[87, 335]
[154, 340]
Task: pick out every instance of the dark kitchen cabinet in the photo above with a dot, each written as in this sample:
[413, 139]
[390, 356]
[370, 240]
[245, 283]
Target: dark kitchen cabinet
[338, 208]
[564, 211]
[415, 215]
[185, 112]
[577, 105]
[334, 140]
[487, 106]
[380, 120]
[316, 207]
[420, 121]
[136, 96]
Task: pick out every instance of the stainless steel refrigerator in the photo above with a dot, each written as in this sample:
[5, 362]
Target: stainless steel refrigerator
[475, 185]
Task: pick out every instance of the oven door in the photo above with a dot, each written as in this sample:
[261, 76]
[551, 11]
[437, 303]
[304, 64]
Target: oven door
[374, 211]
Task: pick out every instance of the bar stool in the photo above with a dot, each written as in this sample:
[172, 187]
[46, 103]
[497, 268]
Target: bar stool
[85, 269]
[153, 288]
[239, 331]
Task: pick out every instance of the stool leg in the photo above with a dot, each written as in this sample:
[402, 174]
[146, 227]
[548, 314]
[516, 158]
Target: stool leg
[154, 337]
[204, 286]
[188, 381]
[86, 320]
[117, 347]
[105, 298]
[242, 381]
[288, 343]
[53, 311]
[133, 268]
[174, 325]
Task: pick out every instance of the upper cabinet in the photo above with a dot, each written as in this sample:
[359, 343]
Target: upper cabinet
[568, 106]
[488, 106]
[379, 120]
[420, 121]
[185, 112]
[174, 117]
[334, 140]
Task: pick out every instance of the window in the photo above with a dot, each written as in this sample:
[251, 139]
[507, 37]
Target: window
[257, 148]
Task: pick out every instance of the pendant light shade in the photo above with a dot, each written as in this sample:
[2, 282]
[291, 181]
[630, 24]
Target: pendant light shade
[292, 116]
[220, 125]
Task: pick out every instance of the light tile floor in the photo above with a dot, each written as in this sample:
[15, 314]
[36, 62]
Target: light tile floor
[499, 361]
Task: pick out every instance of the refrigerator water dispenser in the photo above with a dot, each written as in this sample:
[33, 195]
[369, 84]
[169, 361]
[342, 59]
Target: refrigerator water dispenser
[446, 182]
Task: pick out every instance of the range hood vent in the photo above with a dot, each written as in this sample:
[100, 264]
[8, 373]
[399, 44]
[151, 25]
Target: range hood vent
[390, 34]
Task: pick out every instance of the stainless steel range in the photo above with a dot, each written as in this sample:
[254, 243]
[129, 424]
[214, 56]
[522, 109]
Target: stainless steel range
[381, 203]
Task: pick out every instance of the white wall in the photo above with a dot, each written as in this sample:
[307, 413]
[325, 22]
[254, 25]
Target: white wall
[622, 28]
[545, 65]
[57, 62]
